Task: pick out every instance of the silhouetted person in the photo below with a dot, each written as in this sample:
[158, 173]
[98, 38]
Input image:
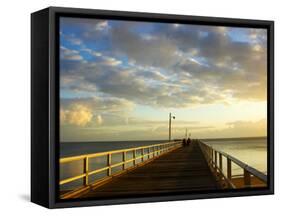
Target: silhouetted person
[188, 141]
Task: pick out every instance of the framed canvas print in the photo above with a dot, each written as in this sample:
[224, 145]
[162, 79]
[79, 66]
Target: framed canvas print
[139, 107]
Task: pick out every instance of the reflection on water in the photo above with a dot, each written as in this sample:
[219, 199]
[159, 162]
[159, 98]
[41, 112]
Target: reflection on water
[252, 151]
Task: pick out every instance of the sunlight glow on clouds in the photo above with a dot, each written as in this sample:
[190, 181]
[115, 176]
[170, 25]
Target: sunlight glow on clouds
[78, 115]
[110, 70]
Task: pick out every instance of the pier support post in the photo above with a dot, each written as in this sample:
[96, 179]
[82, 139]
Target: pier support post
[247, 178]
[229, 174]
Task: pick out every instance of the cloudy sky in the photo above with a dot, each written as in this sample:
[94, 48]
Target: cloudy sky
[120, 79]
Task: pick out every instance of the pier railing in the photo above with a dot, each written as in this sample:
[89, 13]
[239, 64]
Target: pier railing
[143, 153]
[226, 179]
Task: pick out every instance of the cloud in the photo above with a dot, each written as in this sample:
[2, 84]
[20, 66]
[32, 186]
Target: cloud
[145, 132]
[103, 25]
[100, 104]
[112, 67]
[68, 54]
[94, 111]
[76, 114]
[240, 128]
[158, 52]
[192, 57]
[99, 119]
[137, 121]
[71, 39]
[141, 85]
[111, 61]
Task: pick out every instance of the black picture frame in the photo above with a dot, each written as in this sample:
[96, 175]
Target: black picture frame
[45, 103]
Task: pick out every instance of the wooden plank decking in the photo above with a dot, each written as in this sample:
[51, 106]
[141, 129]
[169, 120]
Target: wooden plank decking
[182, 170]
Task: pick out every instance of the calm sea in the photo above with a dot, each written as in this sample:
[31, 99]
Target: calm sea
[78, 148]
[252, 151]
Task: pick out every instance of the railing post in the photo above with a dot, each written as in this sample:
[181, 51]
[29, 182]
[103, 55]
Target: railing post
[134, 156]
[109, 164]
[148, 153]
[220, 161]
[124, 160]
[220, 167]
[86, 171]
[229, 174]
[247, 178]
[142, 154]
[216, 159]
[212, 157]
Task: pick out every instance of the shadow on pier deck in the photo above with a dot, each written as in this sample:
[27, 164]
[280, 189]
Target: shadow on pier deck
[160, 169]
[182, 170]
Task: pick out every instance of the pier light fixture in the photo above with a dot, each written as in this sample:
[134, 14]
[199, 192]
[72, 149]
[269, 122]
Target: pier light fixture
[170, 125]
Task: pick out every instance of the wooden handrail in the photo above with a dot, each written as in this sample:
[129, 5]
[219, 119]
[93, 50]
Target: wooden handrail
[211, 156]
[154, 151]
[79, 157]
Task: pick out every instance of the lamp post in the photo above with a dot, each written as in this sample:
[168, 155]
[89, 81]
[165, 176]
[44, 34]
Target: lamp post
[170, 122]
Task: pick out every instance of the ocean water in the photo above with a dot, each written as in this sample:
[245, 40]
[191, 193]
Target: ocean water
[252, 151]
[78, 148]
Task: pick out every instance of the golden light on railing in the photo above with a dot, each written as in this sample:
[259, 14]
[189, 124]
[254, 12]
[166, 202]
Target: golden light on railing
[215, 161]
[146, 153]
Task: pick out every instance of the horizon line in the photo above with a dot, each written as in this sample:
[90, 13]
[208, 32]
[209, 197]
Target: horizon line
[221, 138]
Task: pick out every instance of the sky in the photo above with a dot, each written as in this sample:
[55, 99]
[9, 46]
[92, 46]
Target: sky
[119, 80]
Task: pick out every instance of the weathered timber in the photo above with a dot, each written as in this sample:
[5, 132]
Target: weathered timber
[183, 170]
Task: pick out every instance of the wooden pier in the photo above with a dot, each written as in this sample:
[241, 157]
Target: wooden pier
[160, 169]
[184, 169]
